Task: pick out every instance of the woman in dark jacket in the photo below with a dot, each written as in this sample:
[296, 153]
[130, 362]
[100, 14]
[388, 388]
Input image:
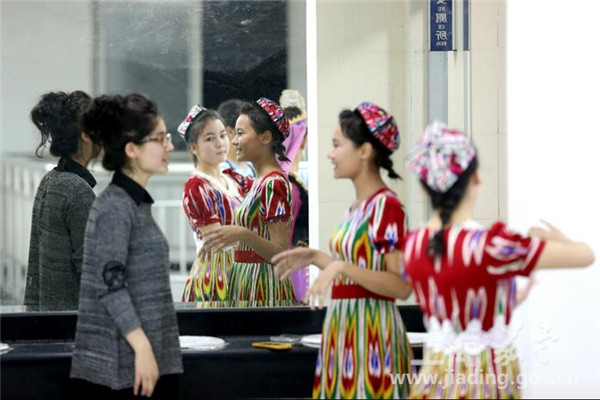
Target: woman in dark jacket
[62, 203]
[127, 331]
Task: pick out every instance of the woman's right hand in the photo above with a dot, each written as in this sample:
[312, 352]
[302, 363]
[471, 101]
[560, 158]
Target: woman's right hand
[289, 261]
[146, 372]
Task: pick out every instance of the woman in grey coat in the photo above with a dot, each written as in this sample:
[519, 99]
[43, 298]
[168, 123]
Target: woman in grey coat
[127, 331]
[62, 203]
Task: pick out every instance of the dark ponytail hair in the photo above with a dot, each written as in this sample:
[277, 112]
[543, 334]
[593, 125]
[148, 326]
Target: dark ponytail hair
[56, 116]
[446, 203]
[118, 120]
[197, 126]
[355, 129]
[261, 123]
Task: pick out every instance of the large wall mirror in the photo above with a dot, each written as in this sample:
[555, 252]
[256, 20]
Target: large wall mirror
[204, 52]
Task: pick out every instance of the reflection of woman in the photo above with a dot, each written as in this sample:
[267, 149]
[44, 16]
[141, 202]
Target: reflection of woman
[463, 275]
[127, 331]
[62, 203]
[262, 221]
[295, 143]
[364, 343]
[230, 110]
[210, 198]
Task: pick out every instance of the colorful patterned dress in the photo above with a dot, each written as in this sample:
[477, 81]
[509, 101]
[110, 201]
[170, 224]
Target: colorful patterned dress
[206, 201]
[467, 297]
[364, 342]
[253, 282]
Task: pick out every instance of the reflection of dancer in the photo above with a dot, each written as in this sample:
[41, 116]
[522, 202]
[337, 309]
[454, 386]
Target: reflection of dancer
[126, 331]
[210, 198]
[463, 275]
[262, 221]
[364, 343]
[230, 110]
[62, 203]
[295, 111]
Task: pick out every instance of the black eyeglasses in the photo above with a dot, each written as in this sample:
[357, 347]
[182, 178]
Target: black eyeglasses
[165, 140]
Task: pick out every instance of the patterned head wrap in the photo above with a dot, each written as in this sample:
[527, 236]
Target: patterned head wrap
[184, 127]
[380, 124]
[275, 114]
[441, 156]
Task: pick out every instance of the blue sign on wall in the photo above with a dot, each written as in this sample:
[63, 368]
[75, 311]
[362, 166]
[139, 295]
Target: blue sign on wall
[440, 25]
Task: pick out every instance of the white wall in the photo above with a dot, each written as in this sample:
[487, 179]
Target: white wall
[51, 36]
[553, 144]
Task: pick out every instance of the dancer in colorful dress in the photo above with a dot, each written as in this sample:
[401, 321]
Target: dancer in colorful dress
[295, 111]
[364, 341]
[262, 221]
[210, 198]
[463, 275]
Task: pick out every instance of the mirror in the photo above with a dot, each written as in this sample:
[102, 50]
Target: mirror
[203, 52]
[179, 53]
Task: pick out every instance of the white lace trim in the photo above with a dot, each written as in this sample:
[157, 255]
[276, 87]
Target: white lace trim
[473, 340]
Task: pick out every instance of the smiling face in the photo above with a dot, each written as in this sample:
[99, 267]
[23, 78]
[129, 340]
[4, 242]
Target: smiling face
[248, 144]
[212, 145]
[344, 155]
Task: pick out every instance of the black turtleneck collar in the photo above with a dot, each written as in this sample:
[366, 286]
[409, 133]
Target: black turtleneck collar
[133, 189]
[66, 164]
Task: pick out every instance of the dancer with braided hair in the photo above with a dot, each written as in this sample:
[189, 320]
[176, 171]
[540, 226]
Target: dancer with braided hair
[463, 275]
[364, 341]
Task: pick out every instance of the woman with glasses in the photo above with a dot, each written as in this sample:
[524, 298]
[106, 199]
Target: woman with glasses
[62, 203]
[127, 331]
[210, 198]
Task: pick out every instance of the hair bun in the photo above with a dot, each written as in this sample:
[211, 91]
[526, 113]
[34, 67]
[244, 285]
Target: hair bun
[56, 116]
[104, 117]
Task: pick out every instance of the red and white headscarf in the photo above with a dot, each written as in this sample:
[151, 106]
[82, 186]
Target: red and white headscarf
[441, 156]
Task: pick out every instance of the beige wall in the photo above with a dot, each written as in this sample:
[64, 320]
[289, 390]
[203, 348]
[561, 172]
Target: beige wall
[488, 105]
[362, 52]
[378, 51]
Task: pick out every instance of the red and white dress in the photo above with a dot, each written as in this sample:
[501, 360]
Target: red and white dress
[205, 202]
[467, 297]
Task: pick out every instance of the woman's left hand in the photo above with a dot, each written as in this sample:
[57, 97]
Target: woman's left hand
[220, 238]
[316, 292]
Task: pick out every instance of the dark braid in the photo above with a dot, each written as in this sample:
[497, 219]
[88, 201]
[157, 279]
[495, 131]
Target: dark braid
[446, 203]
[386, 163]
[279, 149]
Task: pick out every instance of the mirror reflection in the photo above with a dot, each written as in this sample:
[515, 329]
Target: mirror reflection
[215, 54]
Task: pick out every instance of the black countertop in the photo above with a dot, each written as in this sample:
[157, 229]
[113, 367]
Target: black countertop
[38, 366]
